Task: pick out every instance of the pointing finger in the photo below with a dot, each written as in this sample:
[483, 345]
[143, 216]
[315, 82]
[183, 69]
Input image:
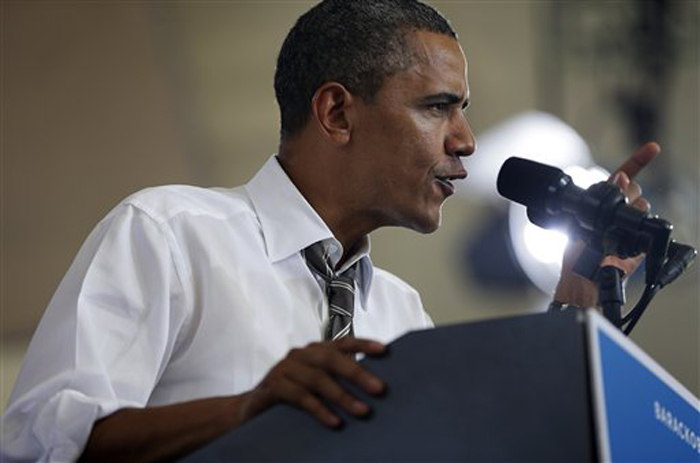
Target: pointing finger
[639, 159]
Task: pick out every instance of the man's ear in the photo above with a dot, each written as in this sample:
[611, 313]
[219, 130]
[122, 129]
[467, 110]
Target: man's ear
[329, 108]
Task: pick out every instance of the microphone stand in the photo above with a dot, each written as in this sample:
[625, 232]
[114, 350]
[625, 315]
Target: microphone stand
[600, 217]
[611, 293]
[650, 236]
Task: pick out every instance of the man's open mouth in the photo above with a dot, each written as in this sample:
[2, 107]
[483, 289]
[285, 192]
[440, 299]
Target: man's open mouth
[445, 182]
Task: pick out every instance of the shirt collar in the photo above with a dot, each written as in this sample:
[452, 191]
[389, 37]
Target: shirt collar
[289, 223]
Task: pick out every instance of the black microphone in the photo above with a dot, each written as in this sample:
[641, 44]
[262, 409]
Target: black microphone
[548, 192]
[533, 184]
[599, 215]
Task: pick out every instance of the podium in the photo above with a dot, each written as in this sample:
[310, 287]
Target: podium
[565, 387]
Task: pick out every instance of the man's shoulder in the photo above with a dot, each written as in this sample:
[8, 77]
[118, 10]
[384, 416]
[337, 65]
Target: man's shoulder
[166, 202]
[387, 279]
[400, 303]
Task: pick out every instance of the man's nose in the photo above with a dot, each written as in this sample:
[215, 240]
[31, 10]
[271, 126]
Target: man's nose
[460, 141]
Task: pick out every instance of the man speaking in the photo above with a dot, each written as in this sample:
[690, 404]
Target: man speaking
[188, 311]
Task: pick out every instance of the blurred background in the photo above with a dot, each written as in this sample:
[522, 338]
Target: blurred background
[100, 99]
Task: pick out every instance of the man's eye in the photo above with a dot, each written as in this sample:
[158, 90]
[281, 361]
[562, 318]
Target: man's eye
[439, 107]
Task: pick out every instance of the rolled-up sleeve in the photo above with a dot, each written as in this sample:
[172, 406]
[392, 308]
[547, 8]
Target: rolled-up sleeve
[104, 340]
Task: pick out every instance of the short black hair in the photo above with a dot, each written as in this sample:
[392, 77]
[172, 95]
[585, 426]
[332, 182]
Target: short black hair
[357, 43]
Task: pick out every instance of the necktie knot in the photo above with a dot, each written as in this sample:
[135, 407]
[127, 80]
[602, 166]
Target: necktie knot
[340, 290]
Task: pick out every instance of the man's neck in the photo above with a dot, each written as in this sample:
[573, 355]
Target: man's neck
[315, 178]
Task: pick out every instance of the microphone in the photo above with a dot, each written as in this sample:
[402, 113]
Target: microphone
[598, 215]
[601, 217]
[552, 197]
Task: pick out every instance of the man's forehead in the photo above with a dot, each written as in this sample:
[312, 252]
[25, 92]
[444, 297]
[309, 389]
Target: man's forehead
[439, 66]
[432, 48]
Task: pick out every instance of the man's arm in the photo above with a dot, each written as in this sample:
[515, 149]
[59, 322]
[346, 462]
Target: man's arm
[305, 378]
[577, 290]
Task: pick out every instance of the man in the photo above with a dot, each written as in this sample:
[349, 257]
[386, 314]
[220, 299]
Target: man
[189, 311]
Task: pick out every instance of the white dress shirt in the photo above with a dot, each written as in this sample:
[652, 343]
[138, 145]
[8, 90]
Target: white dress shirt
[181, 293]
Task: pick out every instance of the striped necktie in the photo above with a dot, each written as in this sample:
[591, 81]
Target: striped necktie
[339, 288]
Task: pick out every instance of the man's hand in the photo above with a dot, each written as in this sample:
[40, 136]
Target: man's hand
[577, 290]
[307, 377]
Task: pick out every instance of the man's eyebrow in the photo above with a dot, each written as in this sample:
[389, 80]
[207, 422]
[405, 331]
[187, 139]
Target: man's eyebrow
[446, 97]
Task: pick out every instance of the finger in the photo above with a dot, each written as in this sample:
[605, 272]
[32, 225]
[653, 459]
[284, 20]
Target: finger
[642, 204]
[298, 396]
[620, 179]
[633, 192]
[639, 159]
[322, 384]
[365, 346]
[329, 357]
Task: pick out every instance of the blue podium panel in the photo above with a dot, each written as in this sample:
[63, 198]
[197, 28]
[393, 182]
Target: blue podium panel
[642, 413]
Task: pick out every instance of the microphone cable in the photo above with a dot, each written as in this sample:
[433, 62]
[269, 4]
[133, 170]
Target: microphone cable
[681, 256]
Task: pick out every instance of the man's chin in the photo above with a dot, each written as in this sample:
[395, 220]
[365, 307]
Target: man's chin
[427, 225]
[423, 221]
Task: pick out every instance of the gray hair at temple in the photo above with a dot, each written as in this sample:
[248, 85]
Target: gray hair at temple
[357, 43]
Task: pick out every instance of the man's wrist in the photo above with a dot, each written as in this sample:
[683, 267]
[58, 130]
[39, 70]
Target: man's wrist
[576, 290]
